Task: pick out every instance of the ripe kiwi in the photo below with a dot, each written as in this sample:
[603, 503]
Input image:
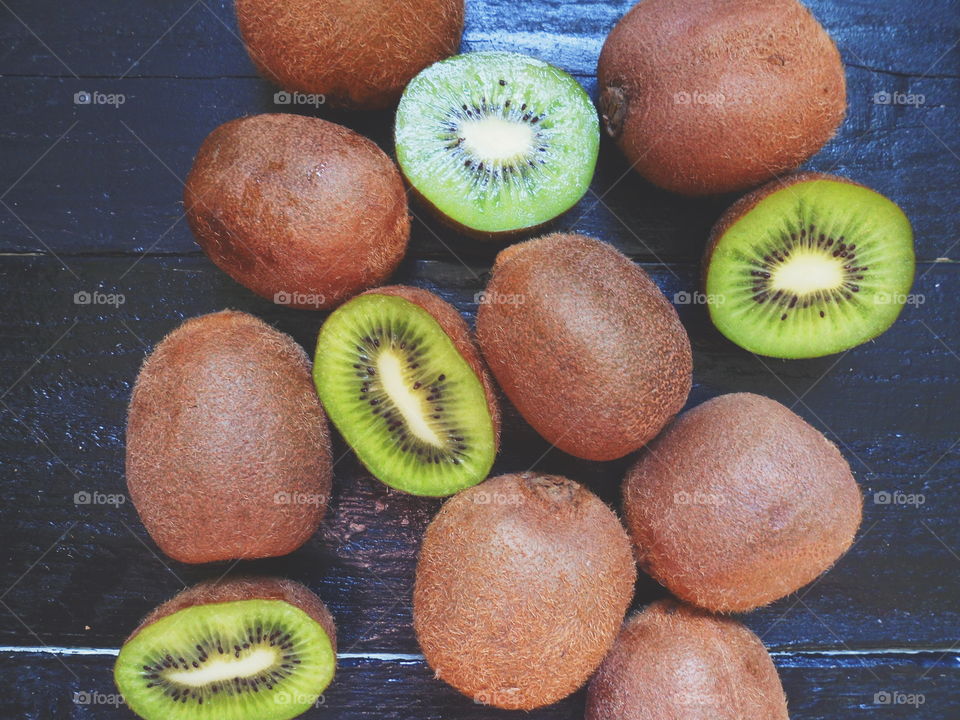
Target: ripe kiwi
[302, 211]
[228, 450]
[497, 143]
[711, 96]
[584, 344]
[404, 384]
[809, 265]
[739, 503]
[521, 585]
[356, 53]
[673, 661]
[259, 648]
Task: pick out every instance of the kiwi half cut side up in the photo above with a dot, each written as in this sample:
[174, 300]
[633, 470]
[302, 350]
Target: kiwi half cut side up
[497, 142]
[391, 371]
[259, 648]
[808, 266]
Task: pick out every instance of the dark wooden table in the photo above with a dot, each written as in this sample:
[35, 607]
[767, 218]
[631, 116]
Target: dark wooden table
[91, 204]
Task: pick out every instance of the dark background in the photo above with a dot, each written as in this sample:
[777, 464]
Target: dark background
[90, 199]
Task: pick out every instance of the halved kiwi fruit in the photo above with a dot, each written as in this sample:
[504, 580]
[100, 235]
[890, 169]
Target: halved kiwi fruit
[259, 648]
[497, 142]
[808, 266]
[405, 386]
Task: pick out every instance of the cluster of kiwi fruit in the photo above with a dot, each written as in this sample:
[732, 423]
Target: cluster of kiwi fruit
[523, 580]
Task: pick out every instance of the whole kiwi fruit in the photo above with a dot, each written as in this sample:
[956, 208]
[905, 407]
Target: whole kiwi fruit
[241, 648]
[674, 661]
[712, 96]
[739, 503]
[521, 585]
[584, 344]
[358, 54]
[228, 449]
[299, 210]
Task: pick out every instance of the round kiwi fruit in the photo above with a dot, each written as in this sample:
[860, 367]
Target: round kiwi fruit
[584, 344]
[259, 648]
[302, 211]
[809, 265]
[228, 450]
[739, 503]
[521, 585]
[358, 54]
[711, 96]
[496, 142]
[674, 661]
[404, 384]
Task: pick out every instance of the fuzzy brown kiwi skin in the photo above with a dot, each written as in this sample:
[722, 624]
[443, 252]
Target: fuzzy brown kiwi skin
[287, 204]
[502, 566]
[246, 588]
[674, 661]
[767, 504]
[359, 54]
[588, 349]
[223, 417]
[774, 52]
[453, 325]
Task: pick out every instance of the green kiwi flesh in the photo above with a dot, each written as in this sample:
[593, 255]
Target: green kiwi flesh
[403, 396]
[808, 267]
[497, 142]
[262, 658]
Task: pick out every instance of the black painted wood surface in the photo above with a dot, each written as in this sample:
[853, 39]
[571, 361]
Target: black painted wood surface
[91, 203]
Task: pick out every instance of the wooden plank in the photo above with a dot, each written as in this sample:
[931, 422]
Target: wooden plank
[890, 404]
[840, 688]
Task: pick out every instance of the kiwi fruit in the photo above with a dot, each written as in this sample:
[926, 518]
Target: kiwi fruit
[809, 265]
[404, 384]
[260, 648]
[712, 96]
[674, 661]
[495, 142]
[521, 585]
[739, 503]
[228, 450]
[299, 210]
[584, 344]
[357, 54]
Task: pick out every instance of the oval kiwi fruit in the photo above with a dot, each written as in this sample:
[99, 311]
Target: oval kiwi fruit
[228, 450]
[739, 503]
[521, 585]
[261, 648]
[299, 210]
[711, 96]
[808, 265]
[674, 661]
[358, 54]
[496, 143]
[404, 384]
[584, 344]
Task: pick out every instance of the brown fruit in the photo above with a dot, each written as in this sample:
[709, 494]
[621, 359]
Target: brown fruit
[673, 662]
[711, 96]
[521, 586]
[584, 344]
[740, 502]
[228, 450]
[299, 210]
[358, 54]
